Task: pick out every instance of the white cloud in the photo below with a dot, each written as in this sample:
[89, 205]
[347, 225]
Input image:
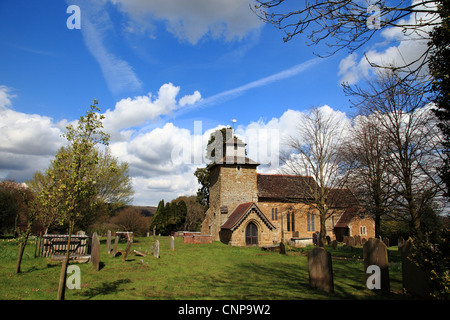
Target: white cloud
[27, 141]
[131, 112]
[194, 19]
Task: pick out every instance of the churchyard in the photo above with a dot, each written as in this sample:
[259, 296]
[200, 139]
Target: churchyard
[193, 271]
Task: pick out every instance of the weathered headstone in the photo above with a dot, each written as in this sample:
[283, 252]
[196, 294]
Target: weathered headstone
[127, 250]
[345, 240]
[328, 240]
[375, 254]
[282, 248]
[108, 241]
[334, 244]
[400, 242]
[415, 280]
[357, 240]
[172, 243]
[156, 252]
[320, 270]
[116, 243]
[316, 238]
[95, 251]
[351, 241]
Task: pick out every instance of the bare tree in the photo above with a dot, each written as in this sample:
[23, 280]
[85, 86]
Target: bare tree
[413, 141]
[316, 151]
[366, 152]
[350, 24]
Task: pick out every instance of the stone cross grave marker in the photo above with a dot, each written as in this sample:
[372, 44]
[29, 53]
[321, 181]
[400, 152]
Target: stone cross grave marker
[320, 270]
[375, 254]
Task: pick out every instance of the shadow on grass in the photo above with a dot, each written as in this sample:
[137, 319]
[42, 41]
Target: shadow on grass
[104, 289]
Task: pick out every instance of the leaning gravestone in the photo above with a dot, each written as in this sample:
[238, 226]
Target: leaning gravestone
[375, 254]
[156, 253]
[127, 250]
[415, 280]
[116, 243]
[95, 251]
[320, 270]
[172, 243]
[108, 242]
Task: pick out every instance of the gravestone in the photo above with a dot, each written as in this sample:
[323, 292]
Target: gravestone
[386, 241]
[357, 240]
[351, 241]
[320, 270]
[127, 250]
[156, 252]
[415, 280]
[345, 240]
[328, 240]
[116, 243]
[375, 253]
[108, 242]
[154, 232]
[316, 238]
[334, 244]
[95, 251]
[282, 248]
[172, 243]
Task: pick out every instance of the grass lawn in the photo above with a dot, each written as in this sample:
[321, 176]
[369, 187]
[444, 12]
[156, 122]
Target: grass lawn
[193, 271]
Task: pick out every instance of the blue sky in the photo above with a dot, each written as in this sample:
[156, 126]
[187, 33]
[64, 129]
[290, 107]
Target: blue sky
[156, 67]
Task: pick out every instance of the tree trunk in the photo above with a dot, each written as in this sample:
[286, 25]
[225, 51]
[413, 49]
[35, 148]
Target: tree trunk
[22, 246]
[63, 274]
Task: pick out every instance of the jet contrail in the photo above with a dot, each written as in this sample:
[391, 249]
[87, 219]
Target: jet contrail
[228, 94]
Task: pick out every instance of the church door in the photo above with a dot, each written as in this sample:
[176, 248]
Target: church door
[251, 234]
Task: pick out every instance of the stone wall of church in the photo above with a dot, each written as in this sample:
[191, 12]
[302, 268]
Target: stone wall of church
[237, 185]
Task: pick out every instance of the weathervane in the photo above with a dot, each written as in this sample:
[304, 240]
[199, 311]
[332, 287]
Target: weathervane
[234, 121]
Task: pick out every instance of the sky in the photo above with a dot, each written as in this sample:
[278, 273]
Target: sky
[166, 74]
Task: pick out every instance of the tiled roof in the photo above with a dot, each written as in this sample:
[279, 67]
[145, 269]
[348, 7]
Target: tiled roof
[240, 213]
[341, 198]
[284, 187]
[346, 217]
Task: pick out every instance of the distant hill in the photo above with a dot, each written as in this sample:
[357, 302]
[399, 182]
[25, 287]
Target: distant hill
[145, 211]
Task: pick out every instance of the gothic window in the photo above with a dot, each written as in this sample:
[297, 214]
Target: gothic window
[288, 221]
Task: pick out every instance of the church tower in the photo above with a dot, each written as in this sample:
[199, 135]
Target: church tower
[233, 181]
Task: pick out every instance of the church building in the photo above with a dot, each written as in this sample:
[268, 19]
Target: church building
[250, 208]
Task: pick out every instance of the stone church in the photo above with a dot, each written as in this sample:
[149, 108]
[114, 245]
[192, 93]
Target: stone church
[250, 208]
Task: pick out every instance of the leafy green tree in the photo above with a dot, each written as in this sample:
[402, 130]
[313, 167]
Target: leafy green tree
[169, 217]
[73, 174]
